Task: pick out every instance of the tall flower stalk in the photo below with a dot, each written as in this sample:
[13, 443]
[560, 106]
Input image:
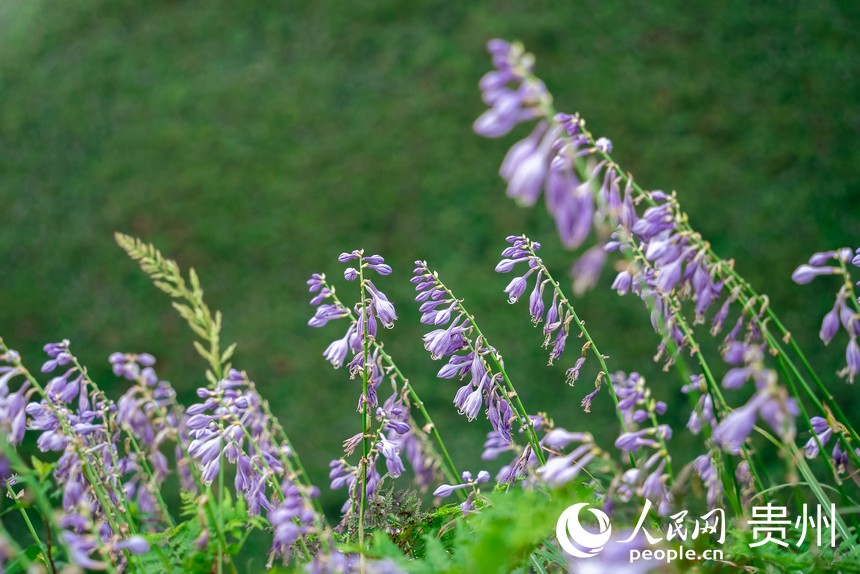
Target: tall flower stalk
[587, 192]
[396, 432]
[489, 385]
[337, 353]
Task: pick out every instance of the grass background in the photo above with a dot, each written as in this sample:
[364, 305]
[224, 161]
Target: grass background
[256, 141]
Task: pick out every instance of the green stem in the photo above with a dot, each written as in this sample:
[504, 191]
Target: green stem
[29, 524]
[24, 475]
[365, 426]
[826, 458]
[449, 468]
[221, 515]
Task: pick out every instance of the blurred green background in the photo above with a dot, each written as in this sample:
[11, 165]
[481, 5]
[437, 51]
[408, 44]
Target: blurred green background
[255, 141]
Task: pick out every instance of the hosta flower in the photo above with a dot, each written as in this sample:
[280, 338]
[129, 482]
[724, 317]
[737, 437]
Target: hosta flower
[769, 403]
[806, 273]
[822, 433]
[391, 452]
[292, 518]
[467, 354]
[842, 314]
[703, 414]
[586, 270]
[446, 490]
[512, 99]
[561, 469]
[495, 445]
[148, 408]
[643, 437]
[229, 427]
[409, 442]
[13, 415]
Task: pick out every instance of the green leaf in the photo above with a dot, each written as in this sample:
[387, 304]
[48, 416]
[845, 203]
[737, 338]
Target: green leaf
[41, 469]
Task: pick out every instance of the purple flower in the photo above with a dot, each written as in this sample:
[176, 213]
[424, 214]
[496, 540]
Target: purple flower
[495, 445]
[338, 349]
[238, 432]
[391, 452]
[560, 470]
[472, 404]
[292, 518]
[622, 282]
[571, 205]
[5, 470]
[830, 325]
[446, 490]
[526, 165]
[516, 288]
[704, 466]
[326, 313]
[350, 274]
[135, 545]
[806, 273]
[13, 415]
[585, 403]
[822, 432]
[633, 441]
[80, 549]
[777, 410]
[59, 356]
[511, 99]
[383, 308]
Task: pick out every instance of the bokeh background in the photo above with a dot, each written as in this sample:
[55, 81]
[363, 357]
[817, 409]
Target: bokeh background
[255, 141]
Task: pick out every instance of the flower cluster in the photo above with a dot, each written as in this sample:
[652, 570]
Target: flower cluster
[650, 479]
[702, 417]
[467, 353]
[846, 310]
[511, 91]
[586, 191]
[229, 425]
[13, 417]
[149, 412]
[823, 430]
[77, 420]
[556, 317]
[524, 461]
[396, 434]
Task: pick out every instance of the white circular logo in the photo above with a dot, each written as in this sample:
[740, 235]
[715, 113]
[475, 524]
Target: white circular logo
[576, 540]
